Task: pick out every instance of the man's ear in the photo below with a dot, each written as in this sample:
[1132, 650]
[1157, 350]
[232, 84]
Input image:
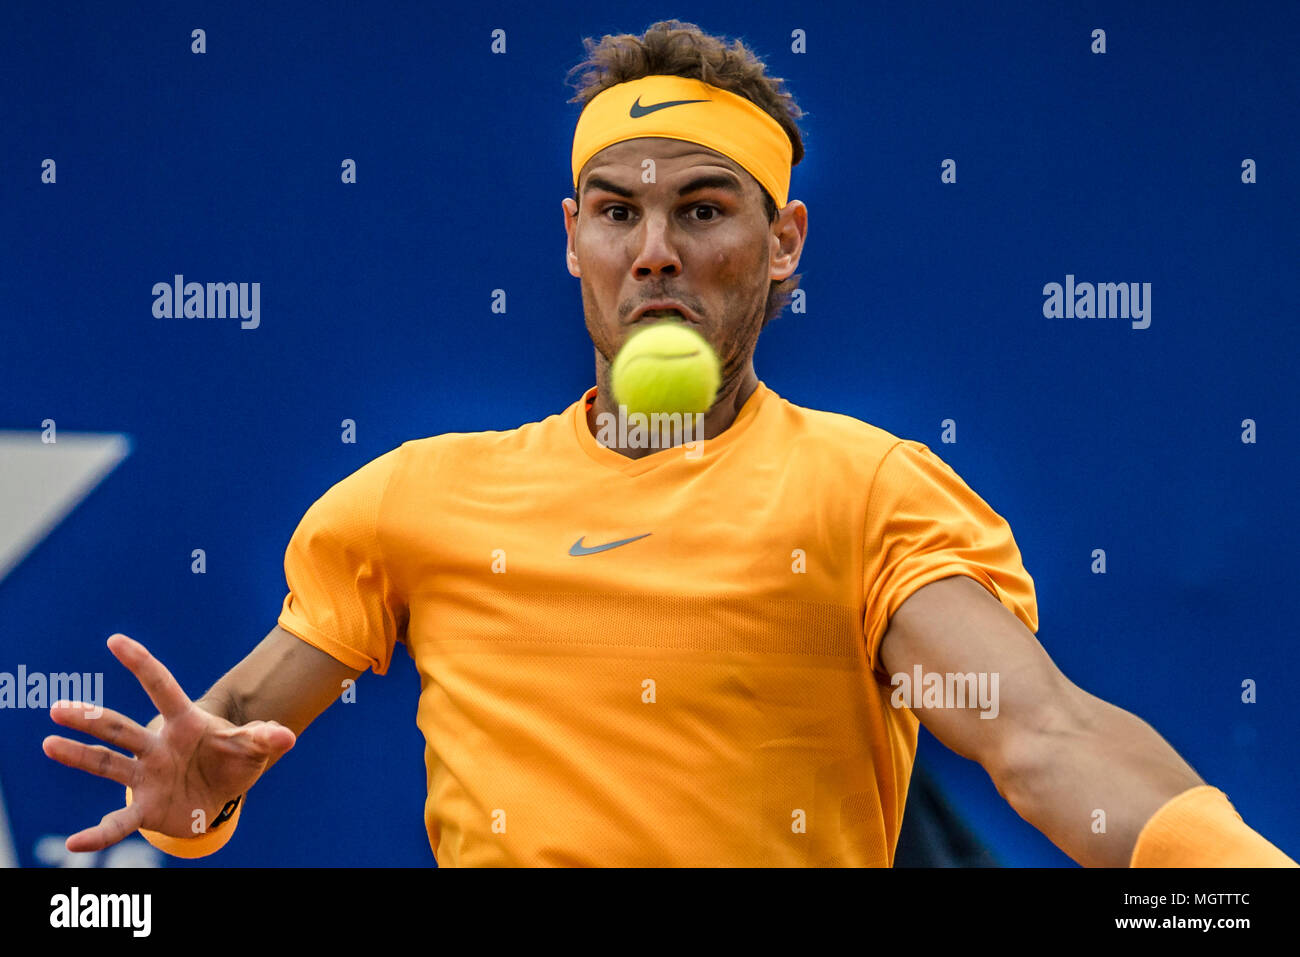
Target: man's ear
[570, 225]
[789, 230]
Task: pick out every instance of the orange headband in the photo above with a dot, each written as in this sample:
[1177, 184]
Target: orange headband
[683, 109]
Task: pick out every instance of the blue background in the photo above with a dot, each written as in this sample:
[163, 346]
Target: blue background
[924, 303]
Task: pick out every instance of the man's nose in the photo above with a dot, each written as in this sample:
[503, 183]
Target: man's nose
[657, 254]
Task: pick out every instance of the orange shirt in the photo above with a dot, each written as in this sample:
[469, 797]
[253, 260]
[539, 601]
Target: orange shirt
[706, 693]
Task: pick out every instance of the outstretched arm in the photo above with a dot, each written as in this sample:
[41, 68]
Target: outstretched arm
[1056, 753]
[196, 756]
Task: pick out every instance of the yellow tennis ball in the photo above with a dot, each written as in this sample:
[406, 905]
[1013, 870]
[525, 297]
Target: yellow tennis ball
[667, 367]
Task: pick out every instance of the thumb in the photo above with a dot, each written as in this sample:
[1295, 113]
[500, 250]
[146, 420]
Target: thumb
[269, 738]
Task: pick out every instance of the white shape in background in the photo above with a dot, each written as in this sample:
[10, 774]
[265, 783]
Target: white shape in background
[7, 856]
[52, 851]
[41, 483]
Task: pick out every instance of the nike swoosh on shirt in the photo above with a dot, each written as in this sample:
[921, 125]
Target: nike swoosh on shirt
[577, 548]
[638, 110]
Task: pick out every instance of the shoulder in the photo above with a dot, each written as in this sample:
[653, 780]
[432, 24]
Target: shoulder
[831, 435]
[464, 448]
[408, 476]
[469, 460]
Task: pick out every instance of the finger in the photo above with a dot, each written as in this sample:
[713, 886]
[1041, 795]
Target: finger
[264, 738]
[275, 738]
[163, 690]
[93, 758]
[111, 828]
[111, 726]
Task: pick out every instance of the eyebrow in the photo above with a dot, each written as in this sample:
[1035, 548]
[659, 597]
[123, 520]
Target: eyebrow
[721, 181]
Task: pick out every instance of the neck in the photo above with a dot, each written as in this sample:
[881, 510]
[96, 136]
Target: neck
[732, 396]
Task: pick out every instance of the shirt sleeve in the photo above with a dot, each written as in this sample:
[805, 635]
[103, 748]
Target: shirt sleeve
[342, 598]
[924, 523]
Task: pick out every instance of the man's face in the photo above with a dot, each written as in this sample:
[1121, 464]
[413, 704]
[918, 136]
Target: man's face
[697, 235]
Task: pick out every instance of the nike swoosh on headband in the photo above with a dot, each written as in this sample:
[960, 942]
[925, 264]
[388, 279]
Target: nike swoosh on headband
[638, 110]
[577, 548]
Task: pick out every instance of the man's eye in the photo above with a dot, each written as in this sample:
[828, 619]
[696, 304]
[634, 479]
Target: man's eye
[621, 214]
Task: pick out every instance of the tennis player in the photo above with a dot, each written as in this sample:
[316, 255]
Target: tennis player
[636, 656]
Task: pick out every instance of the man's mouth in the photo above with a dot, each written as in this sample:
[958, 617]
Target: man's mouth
[665, 309]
